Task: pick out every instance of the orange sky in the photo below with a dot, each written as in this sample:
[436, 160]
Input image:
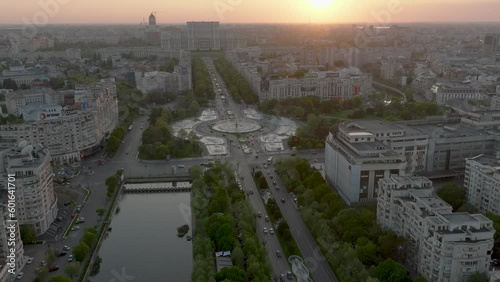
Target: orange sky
[247, 11]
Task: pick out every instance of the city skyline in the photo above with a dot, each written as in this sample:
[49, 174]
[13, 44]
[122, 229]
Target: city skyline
[225, 11]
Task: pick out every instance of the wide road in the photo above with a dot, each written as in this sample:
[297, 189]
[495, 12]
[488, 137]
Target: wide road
[314, 259]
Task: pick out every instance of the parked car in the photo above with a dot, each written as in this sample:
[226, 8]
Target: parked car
[66, 248]
[67, 203]
[75, 228]
[20, 275]
[62, 254]
[53, 268]
[43, 263]
[70, 258]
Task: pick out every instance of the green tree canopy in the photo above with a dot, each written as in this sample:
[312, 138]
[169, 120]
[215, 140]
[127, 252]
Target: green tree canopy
[453, 194]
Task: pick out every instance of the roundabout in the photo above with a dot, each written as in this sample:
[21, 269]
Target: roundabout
[235, 126]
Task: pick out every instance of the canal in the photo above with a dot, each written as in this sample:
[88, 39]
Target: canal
[143, 242]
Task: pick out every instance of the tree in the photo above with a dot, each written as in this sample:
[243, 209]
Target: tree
[100, 212]
[60, 278]
[90, 239]
[366, 251]
[28, 234]
[453, 195]
[391, 271]
[72, 269]
[9, 83]
[232, 273]
[81, 251]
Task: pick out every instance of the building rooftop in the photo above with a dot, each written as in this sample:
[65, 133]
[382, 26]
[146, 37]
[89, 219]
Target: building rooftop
[460, 217]
[487, 161]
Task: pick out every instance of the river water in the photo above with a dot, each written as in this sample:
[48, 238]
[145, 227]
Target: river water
[143, 245]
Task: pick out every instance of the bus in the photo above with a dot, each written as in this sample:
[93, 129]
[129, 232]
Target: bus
[269, 160]
[129, 128]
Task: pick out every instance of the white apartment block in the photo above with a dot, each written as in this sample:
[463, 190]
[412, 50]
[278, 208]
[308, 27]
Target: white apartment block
[36, 202]
[342, 84]
[495, 102]
[76, 127]
[438, 147]
[443, 246]
[441, 92]
[482, 182]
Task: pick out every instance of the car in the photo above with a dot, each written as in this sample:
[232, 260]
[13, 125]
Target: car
[66, 248]
[283, 200]
[259, 215]
[277, 188]
[67, 203]
[60, 219]
[266, 218]
[271, 230]
[75, 228]
[20, 275]
[293, 155]
[278, 253]
[315, 161]
[181, 166]
[265, 230]
[289, 275]
[70, 258]
[53, 268]
[29, 260]
[43, 263]
[62, 254]
[274, 182]
[282, 277]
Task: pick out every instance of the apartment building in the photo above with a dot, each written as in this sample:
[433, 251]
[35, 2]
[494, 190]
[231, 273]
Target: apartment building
[36, 202]
[342, 84]
[443, 246]
[482, 182]
[442, 92]
[438, 146]
[495, 101]
[73, 128]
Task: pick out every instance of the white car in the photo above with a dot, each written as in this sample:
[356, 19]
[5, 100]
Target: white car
[70, 258]
[20, 275]
[66, 248]
[29, 260]
[265, 230]
[181, 166]
[271, 231]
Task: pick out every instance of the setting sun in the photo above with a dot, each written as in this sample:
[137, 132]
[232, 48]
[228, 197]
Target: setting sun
[320, 3]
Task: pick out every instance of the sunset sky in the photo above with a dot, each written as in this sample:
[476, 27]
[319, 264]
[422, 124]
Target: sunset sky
[248, 11]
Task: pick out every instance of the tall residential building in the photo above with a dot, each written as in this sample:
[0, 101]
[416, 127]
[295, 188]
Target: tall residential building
[442, 246]
[482, 182]
[203, 36]
[70, 124]
[491, 45]
[435, 147]
[36, 202]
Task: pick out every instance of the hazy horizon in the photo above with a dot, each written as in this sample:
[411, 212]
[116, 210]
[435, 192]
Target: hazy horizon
[126, 12]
